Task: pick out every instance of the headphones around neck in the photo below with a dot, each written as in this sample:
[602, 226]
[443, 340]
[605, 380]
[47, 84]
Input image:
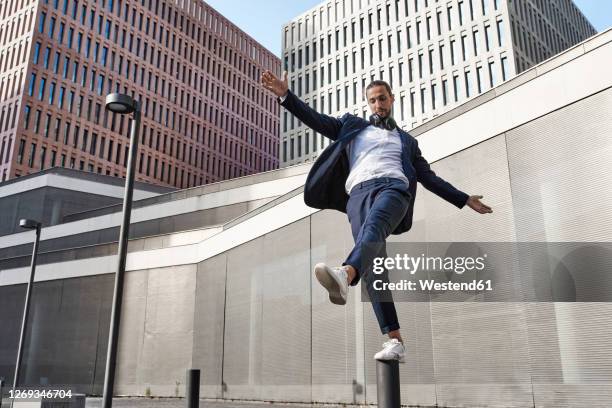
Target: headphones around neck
[387, 123]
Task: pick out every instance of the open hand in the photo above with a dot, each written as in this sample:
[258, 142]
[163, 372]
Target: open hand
[276, 85]
[474, 203]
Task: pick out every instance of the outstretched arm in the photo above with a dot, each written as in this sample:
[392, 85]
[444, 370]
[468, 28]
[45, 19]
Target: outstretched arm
[442, 188]
[328, 126]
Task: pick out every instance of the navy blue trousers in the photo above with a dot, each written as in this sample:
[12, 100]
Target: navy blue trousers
[375, 208]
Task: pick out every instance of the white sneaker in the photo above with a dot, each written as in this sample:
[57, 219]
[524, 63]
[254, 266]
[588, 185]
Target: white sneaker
[392, 350]
[334, 280]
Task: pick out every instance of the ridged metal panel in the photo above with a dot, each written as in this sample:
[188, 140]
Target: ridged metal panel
[208, 325]
[561, 173]
[243, 321]
[168, 329]
[483, 170]
[561, 177]
[286, 314]
[128, 379]
[337, 364]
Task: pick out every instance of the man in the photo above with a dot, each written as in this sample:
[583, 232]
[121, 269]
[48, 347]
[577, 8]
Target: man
[370, 173]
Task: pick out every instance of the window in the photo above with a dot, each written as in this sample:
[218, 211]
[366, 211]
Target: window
[46, 57]
[500, 32]
[456, 85]
[444, 92]
[43, 154]
[504, 67]
[41, 90]
[70, 37]
[60, 34]
[32, 155]
[36, 52]
[434, 95]
[51, 92]
[56, 63]
[26, 119]
[32, 84]
[60, 99]
[41, 24]
[476, 38]
[492, 78]
[22, 143]
[468, 84]
[65, 67]
[51, 27]
[423, 100]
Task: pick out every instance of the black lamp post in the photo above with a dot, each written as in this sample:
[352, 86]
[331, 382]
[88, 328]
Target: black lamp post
[35, 225]
[121, 104]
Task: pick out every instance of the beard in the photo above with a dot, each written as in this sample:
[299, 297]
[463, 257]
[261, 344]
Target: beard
[383, 113]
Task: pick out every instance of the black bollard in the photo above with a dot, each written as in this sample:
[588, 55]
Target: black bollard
[193, 388]
[388, 384]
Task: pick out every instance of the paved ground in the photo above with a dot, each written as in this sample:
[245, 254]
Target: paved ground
[204, 403]
[182, 403]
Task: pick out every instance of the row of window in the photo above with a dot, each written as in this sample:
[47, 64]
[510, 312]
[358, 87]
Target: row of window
[92, 144]
[181, 179]
[161, 36]
[302, 29]
[8, 117]
[305, 143]
[99, 53]
[13, 56]
[90, 109]
[438, 93]
[10, 7]
[11, 85]
[425, 62]
[154, 167]
[5, 150]
[545, 41]
[395, 43]
[17, 26]
[170, 146]
[169, 14]
[563, 15]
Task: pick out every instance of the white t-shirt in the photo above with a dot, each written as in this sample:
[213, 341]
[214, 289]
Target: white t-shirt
[374, 153]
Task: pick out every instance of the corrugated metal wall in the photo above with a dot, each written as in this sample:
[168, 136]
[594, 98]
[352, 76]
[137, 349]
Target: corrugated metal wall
[259, 326]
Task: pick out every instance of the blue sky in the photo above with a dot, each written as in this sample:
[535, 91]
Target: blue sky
[263, 20]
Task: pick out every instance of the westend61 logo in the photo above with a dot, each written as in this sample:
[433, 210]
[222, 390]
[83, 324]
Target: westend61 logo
[412, 265]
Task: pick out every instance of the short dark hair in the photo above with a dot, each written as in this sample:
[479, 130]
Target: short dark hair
[379, 82]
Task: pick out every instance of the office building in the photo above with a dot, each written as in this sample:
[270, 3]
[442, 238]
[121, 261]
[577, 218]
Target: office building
[434, 54]
[195, 73]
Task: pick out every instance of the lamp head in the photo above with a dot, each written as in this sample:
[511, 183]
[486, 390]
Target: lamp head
[120, 103]
[29, 224]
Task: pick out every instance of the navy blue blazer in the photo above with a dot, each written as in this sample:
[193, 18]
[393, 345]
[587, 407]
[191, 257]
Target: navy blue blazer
[325, 184]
